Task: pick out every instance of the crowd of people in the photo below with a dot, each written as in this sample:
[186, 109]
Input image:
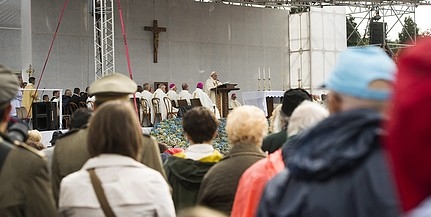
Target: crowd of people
[364, 155]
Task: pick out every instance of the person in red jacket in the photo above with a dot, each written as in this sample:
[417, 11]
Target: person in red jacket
[409, 129]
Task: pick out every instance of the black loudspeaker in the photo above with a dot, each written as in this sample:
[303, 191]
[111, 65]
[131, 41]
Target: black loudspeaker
[377, 32]
[45, 115]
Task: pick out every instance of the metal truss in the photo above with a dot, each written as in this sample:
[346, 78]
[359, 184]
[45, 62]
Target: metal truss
[104, 53]
[365, 11]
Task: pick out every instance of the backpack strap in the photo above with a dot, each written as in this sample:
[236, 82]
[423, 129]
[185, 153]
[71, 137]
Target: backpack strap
[5, 148]
[100, 193]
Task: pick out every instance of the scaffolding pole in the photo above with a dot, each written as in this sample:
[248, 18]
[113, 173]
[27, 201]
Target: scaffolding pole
[104, 53]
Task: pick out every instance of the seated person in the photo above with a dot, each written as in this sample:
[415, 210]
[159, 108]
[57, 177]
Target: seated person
[205, 99]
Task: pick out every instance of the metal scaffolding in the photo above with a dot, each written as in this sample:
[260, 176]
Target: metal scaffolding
[104, 53]
[364, 10]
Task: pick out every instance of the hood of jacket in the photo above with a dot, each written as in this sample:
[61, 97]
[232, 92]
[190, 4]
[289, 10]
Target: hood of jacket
[334, 145]
[188, 171]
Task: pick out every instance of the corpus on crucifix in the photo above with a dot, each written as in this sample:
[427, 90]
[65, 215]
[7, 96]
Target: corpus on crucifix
[156, 31]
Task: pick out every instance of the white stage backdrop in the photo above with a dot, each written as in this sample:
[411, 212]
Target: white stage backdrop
[200, 37]
[316, 37]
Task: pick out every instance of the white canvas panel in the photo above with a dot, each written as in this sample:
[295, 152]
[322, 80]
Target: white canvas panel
[274, 34]
[238, 25]
[180, 66]
[255, 25]
[200, 59]
[274, 56]
[219, 20]
[10, 14]
[300, 68]
[179, 25]
[299, 31]
[199, 28]
[219, 60]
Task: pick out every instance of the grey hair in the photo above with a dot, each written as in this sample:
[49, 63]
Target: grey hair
[305, 116]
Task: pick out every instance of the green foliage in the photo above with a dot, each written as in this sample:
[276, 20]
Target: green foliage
[352, 34]
[297, 10]
[409, 32]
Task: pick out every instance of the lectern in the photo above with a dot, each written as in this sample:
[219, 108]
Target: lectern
[222, 97]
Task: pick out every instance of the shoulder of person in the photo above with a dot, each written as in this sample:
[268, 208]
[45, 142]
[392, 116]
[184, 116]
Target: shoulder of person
[32, 150]
[148, 136]
[72, 132]
[21, 145]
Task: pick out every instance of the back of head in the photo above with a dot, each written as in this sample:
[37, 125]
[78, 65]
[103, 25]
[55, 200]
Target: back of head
[246, 125]
[306, 115]
[200, 85]
[32, 80]
[409, 124]
[34, 135]
[277, 120]
[200, 124]
[112, 87]
[185, 86]
[80, 118]
[364, 76]
[147, 86]
[292, 98]
[120, 135]
[76, 90]
[200, 211]
[55, 136]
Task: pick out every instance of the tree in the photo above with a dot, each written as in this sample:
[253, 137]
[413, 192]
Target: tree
[352, 34]
[426, 33]
[409, 32]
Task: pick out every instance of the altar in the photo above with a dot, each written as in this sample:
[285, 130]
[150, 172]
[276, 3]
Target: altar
[262, 99]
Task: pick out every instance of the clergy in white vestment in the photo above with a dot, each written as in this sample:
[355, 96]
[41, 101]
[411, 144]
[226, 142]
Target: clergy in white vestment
[146, 94]
[212, 82]
[233, 102]
[160, 94]
[172, 93]
[184, 94]
[205, 100]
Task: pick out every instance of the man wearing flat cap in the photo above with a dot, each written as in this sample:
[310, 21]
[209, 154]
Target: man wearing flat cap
[25, 187]
[71, 152]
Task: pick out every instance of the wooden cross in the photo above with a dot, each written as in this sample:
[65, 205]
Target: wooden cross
[156, 31]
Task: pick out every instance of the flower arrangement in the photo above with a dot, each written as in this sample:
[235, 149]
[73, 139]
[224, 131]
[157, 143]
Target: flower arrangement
[170, 132]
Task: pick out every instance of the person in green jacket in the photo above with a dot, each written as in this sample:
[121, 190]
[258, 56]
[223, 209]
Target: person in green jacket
[185, 170]
[25, 188]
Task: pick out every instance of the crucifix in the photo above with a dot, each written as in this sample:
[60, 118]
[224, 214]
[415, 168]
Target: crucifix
[156, 31]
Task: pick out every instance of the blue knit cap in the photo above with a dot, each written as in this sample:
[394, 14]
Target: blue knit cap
[356, 68]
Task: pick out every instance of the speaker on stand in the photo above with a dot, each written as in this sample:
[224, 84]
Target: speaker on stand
[377, 32]
[45, 116]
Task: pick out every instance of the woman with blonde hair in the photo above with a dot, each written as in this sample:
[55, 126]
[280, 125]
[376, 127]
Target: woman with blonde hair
[246, 126]
[113, 171]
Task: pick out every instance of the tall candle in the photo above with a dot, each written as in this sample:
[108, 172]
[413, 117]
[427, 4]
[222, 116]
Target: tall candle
[263, 69]
[258, 72]
[269, 73]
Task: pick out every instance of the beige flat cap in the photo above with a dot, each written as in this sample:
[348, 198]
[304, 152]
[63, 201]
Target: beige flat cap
[112, 85]
[8, 85]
